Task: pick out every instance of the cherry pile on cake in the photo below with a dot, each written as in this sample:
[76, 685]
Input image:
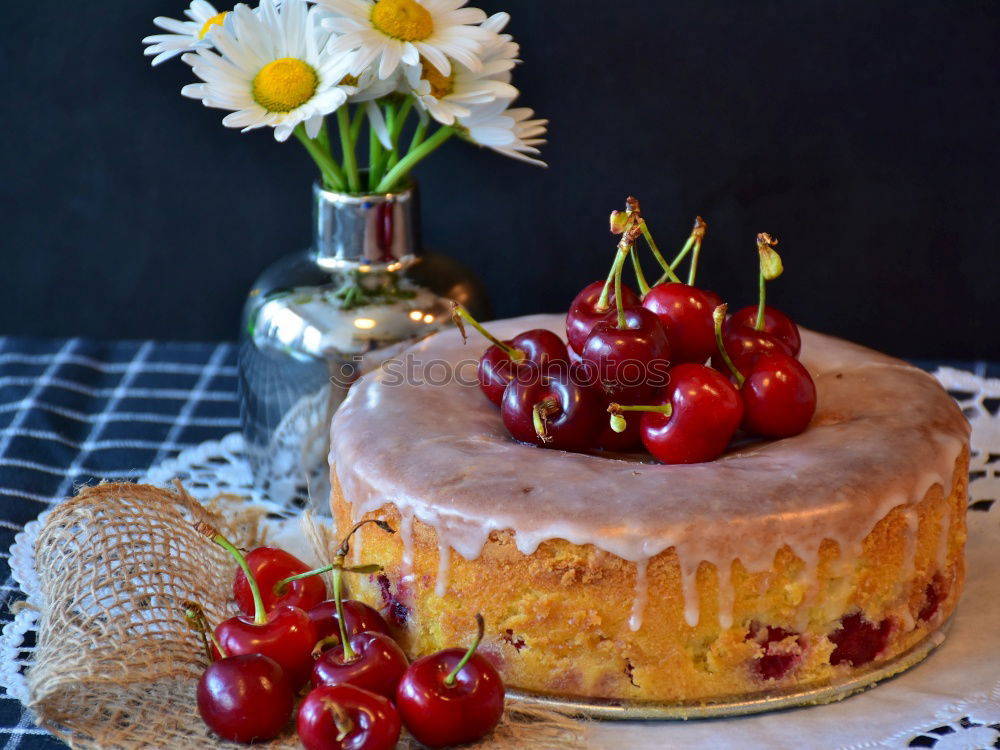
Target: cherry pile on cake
[359, 688]
[646, 356]
[652, 501]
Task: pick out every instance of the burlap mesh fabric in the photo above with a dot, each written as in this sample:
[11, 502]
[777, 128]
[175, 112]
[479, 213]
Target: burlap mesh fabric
[115, 665]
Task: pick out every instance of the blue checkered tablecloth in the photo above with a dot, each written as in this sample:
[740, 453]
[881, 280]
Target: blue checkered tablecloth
[75, 411]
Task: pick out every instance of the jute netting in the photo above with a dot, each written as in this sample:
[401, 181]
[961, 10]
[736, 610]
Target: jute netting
[116, 665]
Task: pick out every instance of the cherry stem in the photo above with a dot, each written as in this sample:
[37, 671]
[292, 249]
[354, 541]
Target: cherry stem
[697, 233]
[761, 296]
[616, 410]
[719, 316]
[694, 262]
[480, 630]
[259, 613]
[323, 644]
[279, 587]
[618, 289]
[197, 621]
[602, 301]
[458, 313]
[539, 415]
[640, 277]
[341, 718]
[349, 653]
[668, 269]
[770, 269]
[344, 547]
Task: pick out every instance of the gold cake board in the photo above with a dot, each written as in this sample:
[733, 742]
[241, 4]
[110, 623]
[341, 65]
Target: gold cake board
[618, 710]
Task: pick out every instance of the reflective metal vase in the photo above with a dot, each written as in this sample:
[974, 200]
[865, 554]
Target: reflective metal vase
[316, 320]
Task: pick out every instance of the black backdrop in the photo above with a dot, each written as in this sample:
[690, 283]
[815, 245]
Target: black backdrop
[863, 134]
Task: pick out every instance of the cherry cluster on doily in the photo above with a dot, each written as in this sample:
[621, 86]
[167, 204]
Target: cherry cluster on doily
[664, 368]
[359, 688]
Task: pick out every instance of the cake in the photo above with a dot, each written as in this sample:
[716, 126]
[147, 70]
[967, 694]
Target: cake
[782, 564]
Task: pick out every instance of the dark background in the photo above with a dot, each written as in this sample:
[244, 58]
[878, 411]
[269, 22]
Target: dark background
[863, 134]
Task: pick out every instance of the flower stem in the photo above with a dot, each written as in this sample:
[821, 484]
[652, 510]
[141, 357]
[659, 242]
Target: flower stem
[419, 133]
[408, 162]
[357, 120]
[480, 630]
[333, 178]
[347, 145]
[397, 130]
[374, 158]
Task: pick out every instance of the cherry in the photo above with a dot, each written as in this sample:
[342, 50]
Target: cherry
[345, 717]
[245, 698]
[744, 345]
[776, 324]
[451, 697]
[377, 664]
[858, 641]
[779, 396]
[284, 634]
[626, 441]
[270, 567]
[359, 616]
[693, 418]
[584, 312]
[686, 314]
[778, 659]
[554, 411]
[532, 350]
[629, 353]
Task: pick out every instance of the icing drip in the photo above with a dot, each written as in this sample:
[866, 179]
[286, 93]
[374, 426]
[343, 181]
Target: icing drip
[440, 454]
[692, 604]
[444, 565]
[641, 591]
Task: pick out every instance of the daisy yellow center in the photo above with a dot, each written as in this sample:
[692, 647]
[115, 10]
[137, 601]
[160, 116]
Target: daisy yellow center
[406, 20]
[441, 85]
[283, 85]
[348, 80]
[215, 20]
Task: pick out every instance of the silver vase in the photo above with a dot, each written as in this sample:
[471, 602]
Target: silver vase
[318, 319]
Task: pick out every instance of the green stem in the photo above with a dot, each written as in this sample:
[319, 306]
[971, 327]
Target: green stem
[480, 629]
[761, 295]
[333, 178]
[694, 262]
[374, 158]
[602, 301]
[347, 145]
[357, 120]
[259, 613]
[413, 158]
[419, 133]
[397, 131]
[668, 271]
[718, 317]
[279, 587]
[459, 313]
[640, 277]
[617, 409]
[349, 654]
[619, 305]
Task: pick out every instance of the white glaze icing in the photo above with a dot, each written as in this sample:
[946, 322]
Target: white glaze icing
[884, 433]
[641, 593]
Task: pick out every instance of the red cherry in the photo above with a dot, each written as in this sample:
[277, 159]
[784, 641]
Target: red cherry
[583, 314]
[269, 566]
[686, 314]
[552, 410]
[539, 347]
[451, 697]
[776, 323]
[377, 665]
[345, 717]
[858, 641]
[628, 441]
[744, 346]
[287, 636]
[629, 362]
[777, 660]
[245, 698]
[358, 615]
[779, 397]
[704, 412]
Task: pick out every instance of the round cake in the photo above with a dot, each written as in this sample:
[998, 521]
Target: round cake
[783, 563]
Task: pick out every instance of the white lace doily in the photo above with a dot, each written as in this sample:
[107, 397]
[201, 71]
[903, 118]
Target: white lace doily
[949, 702]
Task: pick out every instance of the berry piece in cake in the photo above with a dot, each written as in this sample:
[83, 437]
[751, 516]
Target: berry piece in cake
[782, 650]
[395, 611]
[935, 593]
[858, 641]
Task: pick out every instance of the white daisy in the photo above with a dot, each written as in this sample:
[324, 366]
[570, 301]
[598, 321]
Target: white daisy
[184, 36]
[448, 97]
[511, 132]
[272, 70]
[395, 31]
